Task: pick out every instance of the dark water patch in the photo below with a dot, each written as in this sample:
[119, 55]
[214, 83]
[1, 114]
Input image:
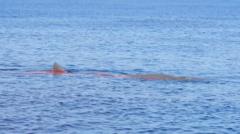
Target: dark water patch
[9, 69]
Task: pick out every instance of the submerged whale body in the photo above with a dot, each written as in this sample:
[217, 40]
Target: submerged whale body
[161, 77]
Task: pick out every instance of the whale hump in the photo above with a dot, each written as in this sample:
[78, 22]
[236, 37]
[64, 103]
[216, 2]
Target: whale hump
[57, 68]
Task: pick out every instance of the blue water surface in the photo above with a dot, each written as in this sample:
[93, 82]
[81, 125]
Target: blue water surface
[198, 38]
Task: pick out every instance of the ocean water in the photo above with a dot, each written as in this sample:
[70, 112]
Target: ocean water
[198, 38]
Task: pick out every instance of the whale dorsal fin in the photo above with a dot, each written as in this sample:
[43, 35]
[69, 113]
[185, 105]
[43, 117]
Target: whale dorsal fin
[57, 68]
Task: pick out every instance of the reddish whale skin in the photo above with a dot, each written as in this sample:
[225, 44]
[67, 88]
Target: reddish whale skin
[50, 72]
[57, 72]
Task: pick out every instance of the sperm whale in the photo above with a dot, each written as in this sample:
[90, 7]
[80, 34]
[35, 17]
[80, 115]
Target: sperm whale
[59, 70]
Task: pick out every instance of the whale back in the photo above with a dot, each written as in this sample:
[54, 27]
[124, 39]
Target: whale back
[57, 69]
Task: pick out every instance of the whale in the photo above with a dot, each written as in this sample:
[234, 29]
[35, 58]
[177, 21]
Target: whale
[57, 69]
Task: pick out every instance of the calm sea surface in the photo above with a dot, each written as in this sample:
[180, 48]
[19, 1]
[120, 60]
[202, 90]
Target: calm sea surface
[199, 38]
